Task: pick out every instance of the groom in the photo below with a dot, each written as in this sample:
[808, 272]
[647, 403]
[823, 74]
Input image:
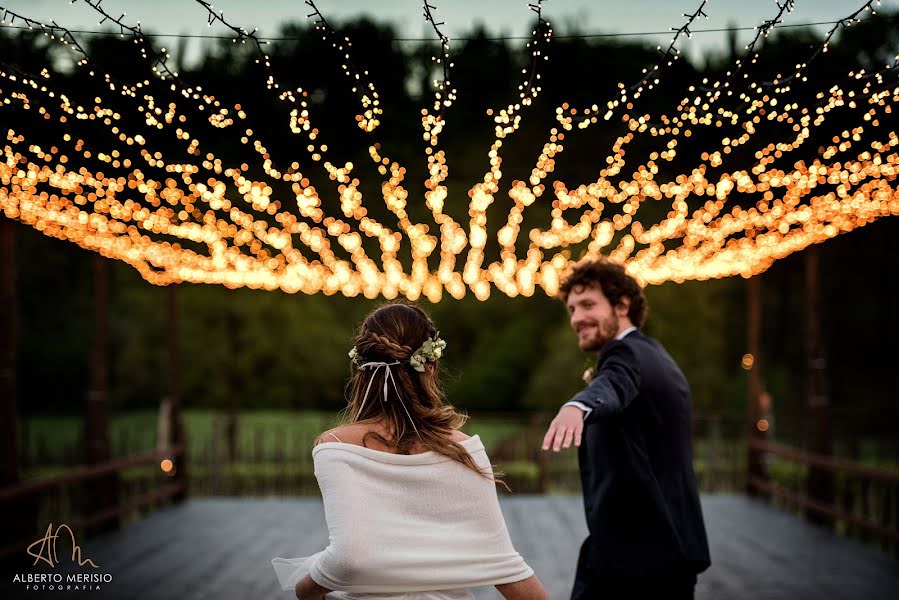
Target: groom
[647, 538]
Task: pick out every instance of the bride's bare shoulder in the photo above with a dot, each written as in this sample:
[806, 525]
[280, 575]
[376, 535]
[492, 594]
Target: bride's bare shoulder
[458, 436]
[356, 433]
[348, 434]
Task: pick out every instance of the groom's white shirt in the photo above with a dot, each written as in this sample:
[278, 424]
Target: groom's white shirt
[581, 405]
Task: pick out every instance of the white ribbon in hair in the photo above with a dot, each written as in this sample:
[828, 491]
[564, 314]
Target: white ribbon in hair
[388, 375]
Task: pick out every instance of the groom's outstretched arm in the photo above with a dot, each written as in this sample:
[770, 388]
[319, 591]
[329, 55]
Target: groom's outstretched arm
[615, 386]
[610, 392]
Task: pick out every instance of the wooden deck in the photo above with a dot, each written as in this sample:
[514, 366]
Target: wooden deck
[221, 549]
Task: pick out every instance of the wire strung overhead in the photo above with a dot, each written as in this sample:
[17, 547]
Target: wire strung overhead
[491, 38]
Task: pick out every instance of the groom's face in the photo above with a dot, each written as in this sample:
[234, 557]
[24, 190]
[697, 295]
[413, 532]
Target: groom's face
[592, 317]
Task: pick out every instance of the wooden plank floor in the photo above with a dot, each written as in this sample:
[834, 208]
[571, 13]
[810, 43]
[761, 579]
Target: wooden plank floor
[221, 549]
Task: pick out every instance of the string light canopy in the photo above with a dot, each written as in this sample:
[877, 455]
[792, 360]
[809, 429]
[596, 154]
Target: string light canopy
[204, 219]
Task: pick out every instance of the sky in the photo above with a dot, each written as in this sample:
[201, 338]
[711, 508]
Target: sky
[500, 17]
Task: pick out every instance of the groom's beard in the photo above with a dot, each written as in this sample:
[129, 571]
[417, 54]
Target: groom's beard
[603, 333]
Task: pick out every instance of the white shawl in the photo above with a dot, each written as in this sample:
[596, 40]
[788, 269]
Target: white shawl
[406, 523]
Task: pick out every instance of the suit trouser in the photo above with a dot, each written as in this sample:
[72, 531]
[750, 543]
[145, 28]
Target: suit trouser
[591, 583]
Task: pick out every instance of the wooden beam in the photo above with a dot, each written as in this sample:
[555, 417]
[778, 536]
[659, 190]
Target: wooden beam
[829, 463]
[826, 511]
[30, 488]
[17, 518]
[9, 468]
[174, 392]
[103, 493]
[235, 383]
[755, 467]
[96, 520]
[820, 481]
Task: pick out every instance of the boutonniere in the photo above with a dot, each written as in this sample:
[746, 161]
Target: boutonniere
[589, 374]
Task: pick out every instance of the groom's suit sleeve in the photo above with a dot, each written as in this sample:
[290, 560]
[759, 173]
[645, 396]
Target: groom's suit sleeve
[615, 386]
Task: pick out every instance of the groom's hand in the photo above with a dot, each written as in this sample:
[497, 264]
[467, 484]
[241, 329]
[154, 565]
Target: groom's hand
[567, 426]
[307, 589]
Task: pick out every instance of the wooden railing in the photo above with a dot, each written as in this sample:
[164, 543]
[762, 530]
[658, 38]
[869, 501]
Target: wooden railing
[32, 489]
[865, 499]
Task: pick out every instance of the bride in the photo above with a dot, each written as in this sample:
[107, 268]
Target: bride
[410, 500]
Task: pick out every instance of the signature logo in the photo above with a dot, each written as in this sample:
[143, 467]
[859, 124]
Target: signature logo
[47, 550]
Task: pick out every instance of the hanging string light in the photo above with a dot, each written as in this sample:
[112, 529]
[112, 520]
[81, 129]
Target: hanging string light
[187, 225]
[679, 124]
[368, 120]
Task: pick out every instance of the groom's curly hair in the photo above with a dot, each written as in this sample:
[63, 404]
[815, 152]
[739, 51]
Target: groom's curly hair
[613, 281]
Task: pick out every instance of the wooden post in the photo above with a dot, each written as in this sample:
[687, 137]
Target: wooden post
[820, 481]
[713, 483]
[9, 470]
[235, 388]
[103, 491]
[179, 435]
[755, 459]
[18, 517]
[532, 442]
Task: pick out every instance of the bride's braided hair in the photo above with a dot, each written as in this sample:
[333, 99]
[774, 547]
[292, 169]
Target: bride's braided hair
[372, 344]
[393, 333]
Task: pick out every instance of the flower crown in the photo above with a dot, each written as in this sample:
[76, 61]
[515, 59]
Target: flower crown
[430, 350]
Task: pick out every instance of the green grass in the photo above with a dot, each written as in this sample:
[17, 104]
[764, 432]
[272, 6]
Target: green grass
[136, 431]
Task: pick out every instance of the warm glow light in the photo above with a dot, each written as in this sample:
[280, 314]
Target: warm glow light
[762, 425]
[205, 220]
[167, 466]
[748, 361]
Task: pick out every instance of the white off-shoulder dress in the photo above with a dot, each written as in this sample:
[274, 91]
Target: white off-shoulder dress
[410, 527]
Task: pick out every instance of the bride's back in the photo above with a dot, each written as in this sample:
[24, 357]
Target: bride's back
[410, 501]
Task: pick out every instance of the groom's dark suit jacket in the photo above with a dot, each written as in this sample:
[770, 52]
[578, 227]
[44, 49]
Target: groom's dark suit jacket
[636, 466]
